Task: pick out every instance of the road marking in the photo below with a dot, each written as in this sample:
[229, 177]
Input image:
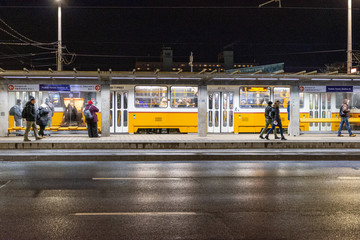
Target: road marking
[160, 179]
[137, 214]
[5, 184]
[349, 178]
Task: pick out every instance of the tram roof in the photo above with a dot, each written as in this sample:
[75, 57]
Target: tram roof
[122, 77]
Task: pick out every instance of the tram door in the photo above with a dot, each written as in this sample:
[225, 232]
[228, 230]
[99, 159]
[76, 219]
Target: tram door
[320, 107]
[221, 112]
[119, 112]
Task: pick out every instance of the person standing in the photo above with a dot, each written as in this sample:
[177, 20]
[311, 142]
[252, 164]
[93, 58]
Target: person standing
[16, 112]
[345, 114]
[42, 118]
[92, 120]
[29, 114]
[51, 109]
[268, 121]
[276, 120]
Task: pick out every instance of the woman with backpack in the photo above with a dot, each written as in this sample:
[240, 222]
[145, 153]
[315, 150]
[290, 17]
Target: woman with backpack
[91, 119]
[42, 118]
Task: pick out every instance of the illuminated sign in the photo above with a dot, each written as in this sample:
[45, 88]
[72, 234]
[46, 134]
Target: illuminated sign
[255, 89]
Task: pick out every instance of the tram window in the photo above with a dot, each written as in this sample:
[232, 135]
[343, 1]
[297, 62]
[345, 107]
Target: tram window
[355, 101]
[210, 100]
[150, 96]
[125, 118]
[125, 100]
[340, 99]
[254, 97]
[119, 101]
[301, 100]
[283, 95]
[184, 97]
[80, 99]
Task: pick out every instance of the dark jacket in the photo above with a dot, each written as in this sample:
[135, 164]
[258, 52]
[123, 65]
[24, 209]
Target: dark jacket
[276, 114]
[43, 116]
[93, 111]
[268, 110]
[30, 112]
[345, 109]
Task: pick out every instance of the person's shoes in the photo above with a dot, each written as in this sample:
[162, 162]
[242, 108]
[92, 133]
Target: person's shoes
[43, 137]
[39, 138]
[277, 138]
[261, 137]
[340, 135]
[27, 140]
[267, 137]
[352, 135]
[283, 138]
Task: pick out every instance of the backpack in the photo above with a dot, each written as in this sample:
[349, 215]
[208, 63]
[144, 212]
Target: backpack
[12, 111]
[24, 112]
[341, 113]
[87, 114]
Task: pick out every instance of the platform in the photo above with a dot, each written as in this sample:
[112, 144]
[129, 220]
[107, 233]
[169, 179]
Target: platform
[177, 147]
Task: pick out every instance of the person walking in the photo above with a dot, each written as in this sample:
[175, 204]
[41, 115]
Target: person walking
[91, 119]
[29, 114]
[268, 121]
[345, 114]
[42, 118]
[276, 120]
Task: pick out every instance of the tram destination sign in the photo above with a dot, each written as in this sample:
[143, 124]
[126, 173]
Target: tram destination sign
[55, 87]
[339, 88]
[317, 89]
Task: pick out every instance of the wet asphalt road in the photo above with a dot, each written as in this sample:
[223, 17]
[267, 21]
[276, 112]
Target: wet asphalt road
[179, 200]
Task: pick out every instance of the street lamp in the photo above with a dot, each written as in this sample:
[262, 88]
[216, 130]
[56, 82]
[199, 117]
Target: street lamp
[59, 52]
[349, 45]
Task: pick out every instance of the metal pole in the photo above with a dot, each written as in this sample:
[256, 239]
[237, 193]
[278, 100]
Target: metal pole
[349, 45]
[59, 53]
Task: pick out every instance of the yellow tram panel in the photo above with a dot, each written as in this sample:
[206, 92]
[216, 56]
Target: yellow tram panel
[186, 122]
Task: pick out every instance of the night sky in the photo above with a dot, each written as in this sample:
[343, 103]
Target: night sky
[131, 30]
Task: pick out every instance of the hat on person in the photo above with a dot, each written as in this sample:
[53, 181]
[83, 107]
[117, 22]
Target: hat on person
[18, 101]
[31, 98]
[90, 102]
[270, 102]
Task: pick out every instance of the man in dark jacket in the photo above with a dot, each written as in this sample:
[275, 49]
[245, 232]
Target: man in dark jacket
[30, 120]
[92, 123]
[268, 121]
[276, 120]
[344, 109]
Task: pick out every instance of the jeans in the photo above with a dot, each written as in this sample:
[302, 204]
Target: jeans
[30, 125]
[347, 124]
[92, 129]
[267, 123]
[273, 128]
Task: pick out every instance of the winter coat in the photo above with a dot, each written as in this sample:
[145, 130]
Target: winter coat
[345, 109]
[268, 110]
[51, 108]
[93, 111]
[18, 111]
[276, 113]
[42, 116]
[30, 112]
